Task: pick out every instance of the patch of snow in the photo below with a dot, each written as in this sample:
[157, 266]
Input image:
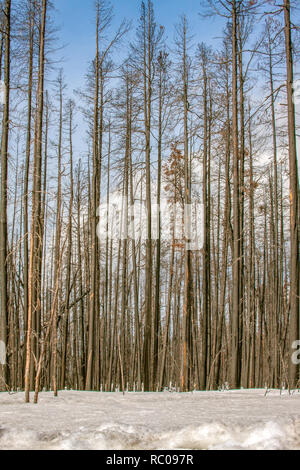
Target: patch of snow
[241, 419]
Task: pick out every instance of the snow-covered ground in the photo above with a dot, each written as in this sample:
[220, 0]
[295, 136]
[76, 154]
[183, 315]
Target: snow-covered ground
[244, 419]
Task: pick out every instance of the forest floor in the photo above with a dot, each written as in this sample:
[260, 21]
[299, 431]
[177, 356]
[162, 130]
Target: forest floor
[243, 419]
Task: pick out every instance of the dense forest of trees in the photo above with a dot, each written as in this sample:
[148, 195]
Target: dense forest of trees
[174, 121]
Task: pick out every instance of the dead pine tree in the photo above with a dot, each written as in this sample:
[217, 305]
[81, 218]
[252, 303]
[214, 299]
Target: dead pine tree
[35, 236]
[68, 287]
[183, 42]
[3, 205]
[104, 46]
[294, 203]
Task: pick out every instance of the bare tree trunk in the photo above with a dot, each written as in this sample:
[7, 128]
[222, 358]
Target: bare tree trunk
[35, 241]
[236, 304]
[294, 204]
[3, 206]
[27, 162]
[206, 241]
[147, 18]
[187, 302]
[65, 314]
[95, 194]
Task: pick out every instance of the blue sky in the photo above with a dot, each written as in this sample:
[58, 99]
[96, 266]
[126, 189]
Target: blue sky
[76, 21]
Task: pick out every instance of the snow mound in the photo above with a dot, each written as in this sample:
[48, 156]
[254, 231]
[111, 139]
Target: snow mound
[211, 436]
